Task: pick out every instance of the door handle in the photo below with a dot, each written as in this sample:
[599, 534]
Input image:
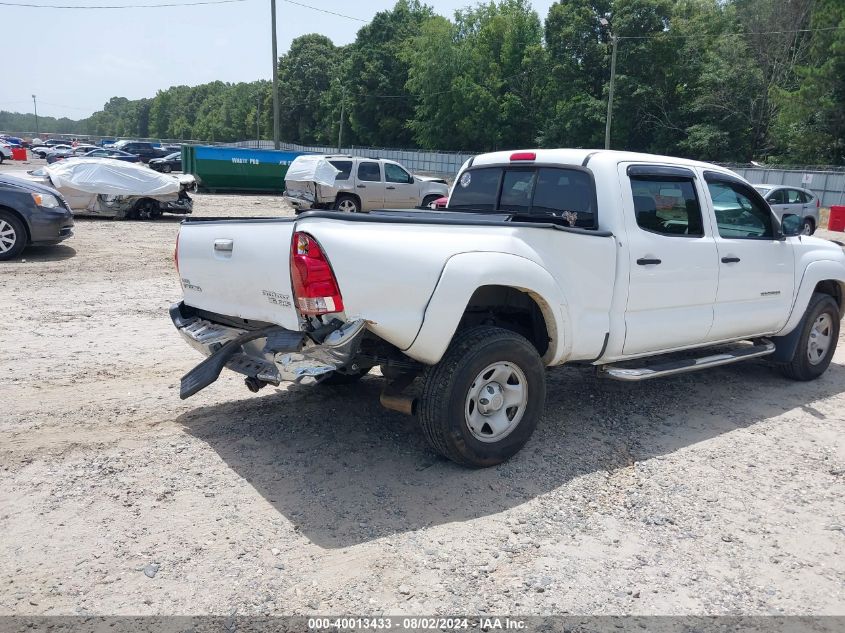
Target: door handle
[224, 245]
[362, 186]
[730, 260]
[644, 261]
[390, 187]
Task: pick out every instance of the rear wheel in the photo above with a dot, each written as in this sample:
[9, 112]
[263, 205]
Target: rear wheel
[347, 204]
[818, 339]
[808, 227]
[482, 401]
[147, 210]
[12, 236]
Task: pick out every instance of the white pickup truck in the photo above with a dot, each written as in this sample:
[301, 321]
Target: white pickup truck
[641, 265]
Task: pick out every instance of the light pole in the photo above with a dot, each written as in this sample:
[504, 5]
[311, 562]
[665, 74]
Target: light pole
[613, 42]
[340, 130]
[35, 107]
[258, 119]
[275, 77]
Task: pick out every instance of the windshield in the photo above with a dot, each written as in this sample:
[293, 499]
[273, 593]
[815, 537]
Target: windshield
[173, 156]
[544, 191]
[762, 190]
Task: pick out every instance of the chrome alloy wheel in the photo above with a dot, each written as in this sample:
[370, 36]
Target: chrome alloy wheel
[8, 236]
[347, 206]
[496, 401]
[820, 338]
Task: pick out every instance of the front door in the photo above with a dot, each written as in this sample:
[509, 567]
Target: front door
[756, 267]
[370, 185]
[400, 191]
[673, 262]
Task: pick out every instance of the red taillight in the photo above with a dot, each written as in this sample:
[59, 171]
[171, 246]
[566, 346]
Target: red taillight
[176, 252]
[524, 156]
[314, 285]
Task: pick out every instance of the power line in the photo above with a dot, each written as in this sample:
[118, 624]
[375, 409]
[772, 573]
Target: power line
[340, 15]
[193, 3]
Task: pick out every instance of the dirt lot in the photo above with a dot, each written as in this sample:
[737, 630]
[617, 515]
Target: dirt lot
[715, 493]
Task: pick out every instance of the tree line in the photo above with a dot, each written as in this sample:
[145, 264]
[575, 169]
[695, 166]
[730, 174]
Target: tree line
[719, 80]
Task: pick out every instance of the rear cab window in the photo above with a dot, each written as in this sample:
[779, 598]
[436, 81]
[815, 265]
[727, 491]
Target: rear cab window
[369, 171]
[566, 193]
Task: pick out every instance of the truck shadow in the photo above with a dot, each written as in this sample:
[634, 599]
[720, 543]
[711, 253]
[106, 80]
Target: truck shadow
[345, 471]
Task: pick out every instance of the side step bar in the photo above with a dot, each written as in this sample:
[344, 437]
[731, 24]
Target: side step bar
[671, 368]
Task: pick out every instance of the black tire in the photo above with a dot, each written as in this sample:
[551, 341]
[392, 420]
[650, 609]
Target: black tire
[800, 367]
[808, 227]
[445, 403]
[337, 378]
[166, 168]
[2, 158]
[11, 228]
[146, 210]
[428, 200]
[350, 204]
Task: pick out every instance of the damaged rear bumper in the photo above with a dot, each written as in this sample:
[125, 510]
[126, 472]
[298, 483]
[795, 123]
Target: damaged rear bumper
[271, 354]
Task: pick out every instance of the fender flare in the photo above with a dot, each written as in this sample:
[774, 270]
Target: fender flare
[462, 275]
[815, 272]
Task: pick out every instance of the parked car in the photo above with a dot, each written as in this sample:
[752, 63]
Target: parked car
[115, 189]
[171, 162]
[361, 184]
[796, 200]
[73, 152]
[145, 151]
[42, 150]
[31, 214]
[14, 141]
[543, 257]
[52, 142]
[116, 154]
[440, 203]
[5, 151]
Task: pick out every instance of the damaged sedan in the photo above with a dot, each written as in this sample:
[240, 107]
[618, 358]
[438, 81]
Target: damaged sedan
[116, 189]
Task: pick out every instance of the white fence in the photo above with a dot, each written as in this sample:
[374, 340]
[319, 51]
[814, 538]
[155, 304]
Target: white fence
[829, 184]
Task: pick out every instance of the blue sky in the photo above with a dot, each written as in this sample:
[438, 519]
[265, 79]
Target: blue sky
[75, 60]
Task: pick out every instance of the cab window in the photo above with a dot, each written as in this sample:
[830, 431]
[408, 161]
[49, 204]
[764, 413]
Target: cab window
[394, 173]
[565, 194]
[740, 214]
[667, 206]
[369, 171]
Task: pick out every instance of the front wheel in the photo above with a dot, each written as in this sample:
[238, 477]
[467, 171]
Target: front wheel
[166, 168]
[429, 202]
[481, 402]
[817, 343]
[12, 236]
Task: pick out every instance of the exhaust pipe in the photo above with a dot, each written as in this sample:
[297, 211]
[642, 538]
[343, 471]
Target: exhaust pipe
[398, 402]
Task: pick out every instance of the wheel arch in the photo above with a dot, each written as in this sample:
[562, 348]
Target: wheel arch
[473, 283]
[825, 276]
[349, 194]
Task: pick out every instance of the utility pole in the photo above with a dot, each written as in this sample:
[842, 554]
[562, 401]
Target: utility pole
[613, 42]
[35, 106]
[342, 110]
[258, 119]
[275, 77]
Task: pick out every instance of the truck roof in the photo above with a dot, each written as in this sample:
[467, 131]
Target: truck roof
[585, 156]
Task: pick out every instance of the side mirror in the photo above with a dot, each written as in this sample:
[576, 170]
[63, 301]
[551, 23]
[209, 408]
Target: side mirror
[790, 225]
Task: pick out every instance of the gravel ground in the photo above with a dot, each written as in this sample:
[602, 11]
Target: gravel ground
[711, 493]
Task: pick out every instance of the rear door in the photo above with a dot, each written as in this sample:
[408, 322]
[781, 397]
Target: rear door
[756, 268]
[400, 190]
[369, 185]
[673, 261]
[239, 269]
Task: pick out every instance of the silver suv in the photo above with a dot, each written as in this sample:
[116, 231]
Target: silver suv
[801, 202]
[364, 184]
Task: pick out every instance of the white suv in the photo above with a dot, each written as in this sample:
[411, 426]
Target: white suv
[5, 151]
[365, 184]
